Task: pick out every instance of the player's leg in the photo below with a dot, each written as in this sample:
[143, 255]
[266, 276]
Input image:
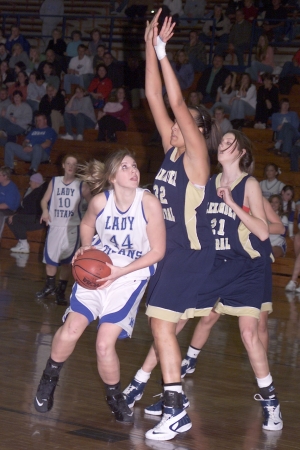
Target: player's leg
[135, 389]
[277, 251]
[49, 287]
[259, 362]
[188, 364]
[175, 416]
[69, 243]
[63, 345]
[200, 336]
[64, 276]
[263, 329]
[109, 370]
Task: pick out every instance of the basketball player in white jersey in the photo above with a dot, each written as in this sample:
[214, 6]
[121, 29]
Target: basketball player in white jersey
[61, 211]
[130, 229]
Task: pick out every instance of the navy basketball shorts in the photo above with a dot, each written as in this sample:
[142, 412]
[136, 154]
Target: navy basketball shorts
[235, 287]
[173, 289]
[267, 301]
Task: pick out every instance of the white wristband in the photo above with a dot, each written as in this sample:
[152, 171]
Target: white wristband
[160, 48]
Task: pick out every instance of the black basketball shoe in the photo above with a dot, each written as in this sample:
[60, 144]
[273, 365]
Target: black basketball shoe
[43, 401]
[119, 407]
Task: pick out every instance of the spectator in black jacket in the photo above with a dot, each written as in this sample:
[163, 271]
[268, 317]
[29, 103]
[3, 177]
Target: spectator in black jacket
[53, 106]
[57, 44]
[267, 101]
[274, 24]
[134, 80]
[27, 216]
[114, 70]
[211, 79]
[52, 59]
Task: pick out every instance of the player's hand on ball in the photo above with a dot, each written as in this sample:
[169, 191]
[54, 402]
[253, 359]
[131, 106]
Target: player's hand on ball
[81, 250]
[225, 193]
[116, 272]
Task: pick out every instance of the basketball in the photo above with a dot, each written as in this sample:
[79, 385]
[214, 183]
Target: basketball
[89, 267]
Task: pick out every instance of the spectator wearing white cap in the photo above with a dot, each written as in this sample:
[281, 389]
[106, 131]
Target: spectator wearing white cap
[27, 216]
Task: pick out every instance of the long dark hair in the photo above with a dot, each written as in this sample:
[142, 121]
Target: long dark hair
[18, 84]
[242, 142]
[211, 130]
[229, 90]
[280, 210]
[288, 187]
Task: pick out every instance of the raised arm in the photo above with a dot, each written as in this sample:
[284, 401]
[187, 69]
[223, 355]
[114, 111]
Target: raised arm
[196, 159]
[153, 87]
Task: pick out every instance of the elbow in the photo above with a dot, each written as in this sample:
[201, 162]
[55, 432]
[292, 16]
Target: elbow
[263, 235]
[160, 253]
[177, 102]
[150, 94]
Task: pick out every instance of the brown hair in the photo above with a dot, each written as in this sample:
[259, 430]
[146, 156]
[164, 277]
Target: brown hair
[289, 209]
[6, 171]
[98, 175]
[242, 142]
[280, 210]
[211, 130]
[262, 50]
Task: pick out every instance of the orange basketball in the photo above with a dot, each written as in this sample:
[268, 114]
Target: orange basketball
[89, 267]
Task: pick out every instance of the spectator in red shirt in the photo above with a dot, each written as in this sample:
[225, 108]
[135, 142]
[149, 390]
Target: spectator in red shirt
[291, 68]
[20, 85]
[250, 11]
[100, 87]
[114, 117]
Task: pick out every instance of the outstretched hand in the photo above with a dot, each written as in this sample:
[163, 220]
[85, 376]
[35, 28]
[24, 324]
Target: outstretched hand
[150, 26]
[166, 31]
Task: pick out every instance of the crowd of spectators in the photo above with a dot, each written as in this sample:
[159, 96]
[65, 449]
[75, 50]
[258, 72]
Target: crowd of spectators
[40, 80]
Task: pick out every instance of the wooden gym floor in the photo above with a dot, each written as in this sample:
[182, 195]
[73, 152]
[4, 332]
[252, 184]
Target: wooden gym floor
[222, 410]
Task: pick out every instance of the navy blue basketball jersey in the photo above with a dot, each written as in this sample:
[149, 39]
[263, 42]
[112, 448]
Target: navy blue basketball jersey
[232, 237]
[183, 204]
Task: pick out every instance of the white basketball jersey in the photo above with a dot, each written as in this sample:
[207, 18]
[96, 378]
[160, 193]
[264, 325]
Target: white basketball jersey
[64, 205]
[122, 235]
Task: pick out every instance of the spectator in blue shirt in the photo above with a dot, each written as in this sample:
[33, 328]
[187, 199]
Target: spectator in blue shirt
[74, 44]
[16, 38]
[183, 70]
[9, 196]
[285, 124]
[36, 146]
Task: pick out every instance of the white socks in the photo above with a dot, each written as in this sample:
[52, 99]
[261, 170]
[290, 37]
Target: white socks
[174, 388]
[264, 382]
[193, 352]
[142, 376]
